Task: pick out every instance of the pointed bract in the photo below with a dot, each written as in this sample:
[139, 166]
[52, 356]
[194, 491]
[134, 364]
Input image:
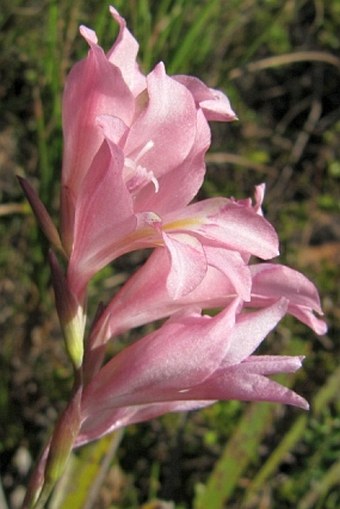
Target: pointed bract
[71, 314]
[41, 214]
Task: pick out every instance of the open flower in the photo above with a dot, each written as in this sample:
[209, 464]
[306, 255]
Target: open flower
[145, 298]
[134, 150]
[204, 262]
[190, 362]
[189, 234]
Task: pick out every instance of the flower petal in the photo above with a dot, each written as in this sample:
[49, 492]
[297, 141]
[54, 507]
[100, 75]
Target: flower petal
[222, 222]
[123, 55]
[246, 382]
[251, 329]
[270, 282]
[183, 352]
[214, 103]
[93, 87]
[111, 419]
[188, 264]
[145, 297]
[169, 120]
[190, 173]
[104, 212]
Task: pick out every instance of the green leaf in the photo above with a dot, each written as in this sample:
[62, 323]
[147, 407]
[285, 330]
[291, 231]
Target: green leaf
[85, 474]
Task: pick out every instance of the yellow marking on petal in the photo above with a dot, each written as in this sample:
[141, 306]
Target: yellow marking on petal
[142, 99]
[189, 222]
[147, 235]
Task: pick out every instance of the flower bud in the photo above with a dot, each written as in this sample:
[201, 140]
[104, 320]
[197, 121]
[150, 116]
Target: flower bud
[71, 314]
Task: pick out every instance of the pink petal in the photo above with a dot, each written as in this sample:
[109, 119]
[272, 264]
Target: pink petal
[251, 329]
[145, 298]
[221, 222]
[123, 55]
[232, 265]
[67, 213]
[214, 103]
[93, 87]
[169, 121]
[238, 382]
[190, 173]
[243, 381]
[114, 129]
[272, 364]
[111, 419]
[259, 197]
[104, 213]
[188, 264]
[270, 282]
[180, 354]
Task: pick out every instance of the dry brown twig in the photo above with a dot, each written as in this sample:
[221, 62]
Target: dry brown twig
[286, 59]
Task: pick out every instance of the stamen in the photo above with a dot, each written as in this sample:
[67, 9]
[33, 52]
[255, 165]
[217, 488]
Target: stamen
[148, 146]
[137, 176]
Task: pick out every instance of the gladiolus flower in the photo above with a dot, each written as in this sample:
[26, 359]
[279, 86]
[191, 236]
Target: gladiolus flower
[134, 149]
[145, 298]
[125, 149]
[191, 358]
[218, 222]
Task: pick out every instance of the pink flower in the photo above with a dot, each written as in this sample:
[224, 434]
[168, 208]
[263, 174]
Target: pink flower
[134, 149]
[147, 295]
[189, 234]
[272, 281]
[191, 361]
[128, 140]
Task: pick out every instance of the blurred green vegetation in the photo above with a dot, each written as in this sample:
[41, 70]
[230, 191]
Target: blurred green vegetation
[278, 62]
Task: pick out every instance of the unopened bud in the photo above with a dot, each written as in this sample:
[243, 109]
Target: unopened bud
[70, 312]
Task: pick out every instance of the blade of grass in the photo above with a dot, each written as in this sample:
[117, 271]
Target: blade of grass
[52, 60]
[287, 444]
[315, 498]
[322, 399]
[189, 44]
[3, 503]
[242, 447]
[43, 146]
[144, 31]
[85, 474]
[239, 452]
